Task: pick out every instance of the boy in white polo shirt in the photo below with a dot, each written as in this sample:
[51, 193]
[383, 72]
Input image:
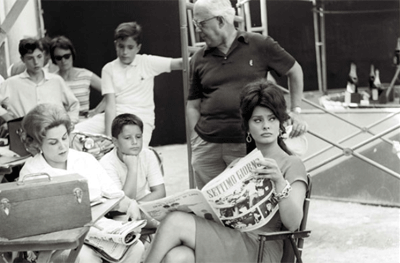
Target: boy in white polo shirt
[134, 169]
[127, 83]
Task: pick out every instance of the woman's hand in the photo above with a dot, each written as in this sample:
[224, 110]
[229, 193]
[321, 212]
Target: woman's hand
[151, 222]
[3, 130]
[268, 168]
[133, 211]
[92, 113]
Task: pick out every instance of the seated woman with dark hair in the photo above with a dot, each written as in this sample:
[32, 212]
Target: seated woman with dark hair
[79, 80]
[182, 237]
[47, 128]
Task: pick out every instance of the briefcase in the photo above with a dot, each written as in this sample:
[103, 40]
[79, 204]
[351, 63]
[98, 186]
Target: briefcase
[42, 204]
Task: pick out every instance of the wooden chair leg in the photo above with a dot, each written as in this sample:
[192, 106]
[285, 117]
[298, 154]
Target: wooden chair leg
[261, 250]
[44, 256]
[295, 250]
[74, 252]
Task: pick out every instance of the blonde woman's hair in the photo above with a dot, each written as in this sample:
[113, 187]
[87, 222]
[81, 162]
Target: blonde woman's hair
[39, 120]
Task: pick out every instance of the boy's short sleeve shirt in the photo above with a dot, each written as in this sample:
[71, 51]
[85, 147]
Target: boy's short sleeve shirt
[149, 173]
[133, 84]
[18, 94]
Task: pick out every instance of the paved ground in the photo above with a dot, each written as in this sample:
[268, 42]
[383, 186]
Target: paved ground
[341, 232]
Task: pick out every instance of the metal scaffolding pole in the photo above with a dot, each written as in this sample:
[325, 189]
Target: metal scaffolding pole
[185, 76]
[318, 45]
[323, 50]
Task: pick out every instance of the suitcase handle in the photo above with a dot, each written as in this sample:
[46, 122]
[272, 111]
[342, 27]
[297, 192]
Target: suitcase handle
[22, 182]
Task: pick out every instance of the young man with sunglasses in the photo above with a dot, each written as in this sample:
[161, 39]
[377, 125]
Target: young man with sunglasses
[21, 93]
[219, 71]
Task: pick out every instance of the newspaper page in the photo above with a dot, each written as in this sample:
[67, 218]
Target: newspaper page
[236, 198]
[111, 238]
[240, 199]
[190, 201]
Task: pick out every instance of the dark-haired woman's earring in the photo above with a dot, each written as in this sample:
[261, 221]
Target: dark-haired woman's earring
[248, 138]
[282, 135]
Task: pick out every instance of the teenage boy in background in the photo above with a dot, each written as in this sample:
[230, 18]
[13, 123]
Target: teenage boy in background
[21, 93]
[127, 83]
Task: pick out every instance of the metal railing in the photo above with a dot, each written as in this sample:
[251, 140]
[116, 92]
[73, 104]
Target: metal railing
[347, 151]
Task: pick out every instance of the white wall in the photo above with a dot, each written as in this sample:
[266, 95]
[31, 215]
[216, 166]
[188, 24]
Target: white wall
[26, 25]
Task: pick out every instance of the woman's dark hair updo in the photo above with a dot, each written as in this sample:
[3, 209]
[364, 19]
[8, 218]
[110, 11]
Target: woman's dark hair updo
[265, 94]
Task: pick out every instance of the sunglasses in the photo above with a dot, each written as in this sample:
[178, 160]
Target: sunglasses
[59, 58]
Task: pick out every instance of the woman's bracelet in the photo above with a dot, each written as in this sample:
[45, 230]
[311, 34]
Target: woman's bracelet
[285, 192]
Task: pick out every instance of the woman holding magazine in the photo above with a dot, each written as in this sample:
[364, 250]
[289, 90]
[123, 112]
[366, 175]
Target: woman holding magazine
[46, 135]
[182, 237]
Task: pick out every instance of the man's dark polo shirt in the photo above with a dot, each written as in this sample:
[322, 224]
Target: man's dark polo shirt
[217, 79]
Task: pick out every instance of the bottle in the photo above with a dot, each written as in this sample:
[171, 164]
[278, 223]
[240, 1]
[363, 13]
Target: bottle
[396, 58]
[372, 88]
[352, 79]
[377, 82]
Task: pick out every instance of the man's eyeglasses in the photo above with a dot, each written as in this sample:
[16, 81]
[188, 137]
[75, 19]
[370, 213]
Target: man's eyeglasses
[59, 58]
[201, 24]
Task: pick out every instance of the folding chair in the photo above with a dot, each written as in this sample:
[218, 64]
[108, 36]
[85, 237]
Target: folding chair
[292, 241]
[148, 232]
[159, 158]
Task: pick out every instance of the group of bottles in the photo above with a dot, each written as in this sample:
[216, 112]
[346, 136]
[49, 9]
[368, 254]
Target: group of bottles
[375, 85]
[396, 58]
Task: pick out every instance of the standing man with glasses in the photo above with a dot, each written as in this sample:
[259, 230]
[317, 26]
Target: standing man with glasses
[21, 93]
[219, 71]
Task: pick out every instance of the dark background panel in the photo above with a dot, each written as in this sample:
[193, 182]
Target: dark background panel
[355, 34]
[366, 33]
[290, 23]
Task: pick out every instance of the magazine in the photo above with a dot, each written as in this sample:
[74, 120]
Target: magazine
[236, 198]
[111, 238]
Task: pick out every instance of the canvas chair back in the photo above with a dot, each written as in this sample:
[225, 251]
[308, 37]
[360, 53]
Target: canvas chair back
[288, 253]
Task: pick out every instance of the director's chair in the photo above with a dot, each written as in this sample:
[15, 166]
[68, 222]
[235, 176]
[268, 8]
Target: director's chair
[292, 241]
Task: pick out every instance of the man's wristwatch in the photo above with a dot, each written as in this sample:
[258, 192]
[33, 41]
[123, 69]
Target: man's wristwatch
[296, 110]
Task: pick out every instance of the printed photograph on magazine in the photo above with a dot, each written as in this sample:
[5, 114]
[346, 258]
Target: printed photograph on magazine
[111, 239]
